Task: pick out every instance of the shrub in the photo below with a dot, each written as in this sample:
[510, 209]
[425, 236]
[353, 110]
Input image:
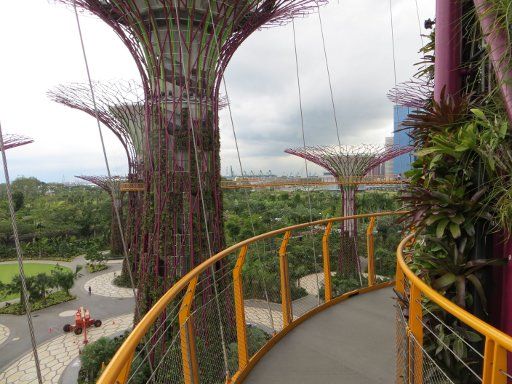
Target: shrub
[95, 354]
[52, 299]
[93, 268]
[122, 281]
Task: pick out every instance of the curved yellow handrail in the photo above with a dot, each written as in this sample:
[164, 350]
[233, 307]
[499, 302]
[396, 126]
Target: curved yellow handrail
[497, 342]
[123, 356]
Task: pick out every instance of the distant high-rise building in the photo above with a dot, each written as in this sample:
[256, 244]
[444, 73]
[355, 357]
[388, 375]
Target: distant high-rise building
[402, 163]
[389, 165]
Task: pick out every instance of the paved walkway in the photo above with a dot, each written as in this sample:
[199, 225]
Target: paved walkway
[347, 343]
[57, 354]
[48, 322]
[102, 285]
[4, 333]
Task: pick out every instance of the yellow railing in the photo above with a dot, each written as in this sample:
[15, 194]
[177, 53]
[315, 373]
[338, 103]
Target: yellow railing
[414, 292]
[184, 301]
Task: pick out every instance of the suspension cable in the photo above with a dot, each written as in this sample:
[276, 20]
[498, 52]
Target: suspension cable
[328, 75]
[392, 39]
[297, 73]
[419, 22]
[201, 192]
[19, 254]
[245, 191]
[105, 157]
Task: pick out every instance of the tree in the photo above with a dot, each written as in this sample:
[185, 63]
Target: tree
[15, 286]
[18, 199]
[65, 279]
[42, 282]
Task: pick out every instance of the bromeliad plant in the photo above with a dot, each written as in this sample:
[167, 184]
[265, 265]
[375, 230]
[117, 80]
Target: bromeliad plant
[455, 186]
[458, 188]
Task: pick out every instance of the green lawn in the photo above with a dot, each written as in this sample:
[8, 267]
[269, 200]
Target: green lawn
[8, 271]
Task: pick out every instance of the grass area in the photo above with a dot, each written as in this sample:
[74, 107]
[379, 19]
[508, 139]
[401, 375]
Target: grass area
[8, 271]
[52, 299]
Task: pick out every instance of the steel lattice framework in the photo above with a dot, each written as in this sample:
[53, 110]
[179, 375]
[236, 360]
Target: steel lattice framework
[415, 93]
[348, 164]
[120, 107]
[13, 141]
[111, 186]
[181, 49]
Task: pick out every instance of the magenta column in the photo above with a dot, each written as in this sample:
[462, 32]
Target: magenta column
[448, 48]
[496, 38]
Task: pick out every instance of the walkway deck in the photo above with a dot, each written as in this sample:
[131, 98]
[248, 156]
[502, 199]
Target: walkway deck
[352, 342]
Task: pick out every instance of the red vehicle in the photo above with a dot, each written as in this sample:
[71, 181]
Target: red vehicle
[82, 321]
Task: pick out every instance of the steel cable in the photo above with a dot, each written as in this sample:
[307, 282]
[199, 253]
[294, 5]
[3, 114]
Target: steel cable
[328, 75]
[246, 193]
[201, 192]
[297, 73]
[116, 208]
[19, 255]
[419, 21]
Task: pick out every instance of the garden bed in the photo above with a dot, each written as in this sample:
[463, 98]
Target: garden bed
[93, 268]
[50, 300]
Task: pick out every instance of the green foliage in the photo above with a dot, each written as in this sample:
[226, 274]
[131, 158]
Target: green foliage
[341, 285]
[93, 268]
[96, 259]
[65, 278]
[95, 354]
[53, 298]
[122, 280]
[18, 199]
[448, 196]
[459, 185]
[54, 220]
[256, 338]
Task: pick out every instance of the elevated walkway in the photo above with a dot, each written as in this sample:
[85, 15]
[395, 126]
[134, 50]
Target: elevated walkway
[347, 343]
[344, 330]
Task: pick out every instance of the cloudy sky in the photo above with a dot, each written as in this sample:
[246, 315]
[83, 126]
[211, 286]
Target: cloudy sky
[40, 48]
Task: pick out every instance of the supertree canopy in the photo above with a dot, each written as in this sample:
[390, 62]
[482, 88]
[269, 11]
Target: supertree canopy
[181, 49]
[415, 93]
[348, 164]
[120, 107]
[111, 186]
[13, 141]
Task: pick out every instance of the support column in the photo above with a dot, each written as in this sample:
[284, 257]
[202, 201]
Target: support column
[447, 48]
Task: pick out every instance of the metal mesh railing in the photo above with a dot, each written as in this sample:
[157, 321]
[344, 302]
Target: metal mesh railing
[438, 341]
[262, 287]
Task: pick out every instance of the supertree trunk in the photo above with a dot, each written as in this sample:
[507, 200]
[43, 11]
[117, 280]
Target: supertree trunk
[116, 244]
[181, 49]
[348, 261]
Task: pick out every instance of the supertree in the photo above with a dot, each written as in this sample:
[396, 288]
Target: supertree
[111, 186]
[349, 164]
[181, 49]
[120, 107]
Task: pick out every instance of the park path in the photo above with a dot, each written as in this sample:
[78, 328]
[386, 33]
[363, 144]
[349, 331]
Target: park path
[56, 354]
[102, 285]
[49, 322]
